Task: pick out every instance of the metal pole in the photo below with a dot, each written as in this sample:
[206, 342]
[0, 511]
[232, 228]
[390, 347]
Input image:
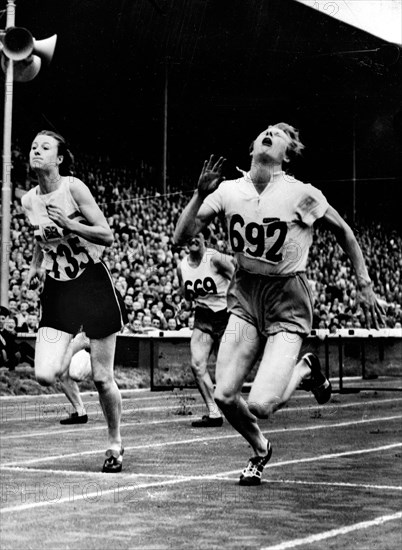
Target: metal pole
[6, 189]
[326, 344]
[340, 358]
[363, 358]
[354, 161]
[165, 124]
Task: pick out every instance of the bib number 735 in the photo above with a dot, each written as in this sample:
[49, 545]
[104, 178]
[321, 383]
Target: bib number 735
[68, 256]
[252, 238]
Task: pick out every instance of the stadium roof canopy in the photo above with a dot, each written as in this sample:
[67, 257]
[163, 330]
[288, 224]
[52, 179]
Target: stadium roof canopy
[280, 57]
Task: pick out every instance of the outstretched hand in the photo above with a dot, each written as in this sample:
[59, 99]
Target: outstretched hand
[211, 176]
[373, 310]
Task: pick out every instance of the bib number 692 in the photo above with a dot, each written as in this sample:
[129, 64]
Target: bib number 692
[255, 234]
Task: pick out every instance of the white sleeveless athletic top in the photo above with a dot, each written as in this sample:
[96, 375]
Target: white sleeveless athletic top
[66, 255]
[271, 232]
[204, 285]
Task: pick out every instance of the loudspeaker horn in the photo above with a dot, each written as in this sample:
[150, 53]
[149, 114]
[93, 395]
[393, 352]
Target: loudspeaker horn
[26, 52]
[24, 70]
[45, 48]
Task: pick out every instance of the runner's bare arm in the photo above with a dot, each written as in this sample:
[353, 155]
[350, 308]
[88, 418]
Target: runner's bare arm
[98, 230]
[224, 264]
[347, 240]
[35, 272]
[197, 215]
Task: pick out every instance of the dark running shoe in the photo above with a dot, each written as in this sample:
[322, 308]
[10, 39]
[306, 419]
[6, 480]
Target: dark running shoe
[318, 384]
[251, 475]
[208, 422]
[74, 418]
[114, 461]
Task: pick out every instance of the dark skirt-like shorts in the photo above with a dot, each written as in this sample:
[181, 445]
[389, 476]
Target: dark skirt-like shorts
[90, 303]
[211, 322]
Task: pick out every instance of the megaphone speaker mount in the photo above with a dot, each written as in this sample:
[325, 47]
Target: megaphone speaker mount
[18, 43]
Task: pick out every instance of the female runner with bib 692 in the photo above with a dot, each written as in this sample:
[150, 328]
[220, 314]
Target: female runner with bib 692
[78, 294]
[270, 216]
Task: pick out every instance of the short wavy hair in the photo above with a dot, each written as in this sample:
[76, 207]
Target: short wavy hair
[295, 146]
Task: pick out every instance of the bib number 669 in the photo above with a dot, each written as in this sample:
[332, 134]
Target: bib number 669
[201, 287]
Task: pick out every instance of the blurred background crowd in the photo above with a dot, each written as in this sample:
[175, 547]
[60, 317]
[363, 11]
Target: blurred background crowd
[143, 259]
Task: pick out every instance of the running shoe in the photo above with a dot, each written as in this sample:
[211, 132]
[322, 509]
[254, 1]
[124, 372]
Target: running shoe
[75, 418]
[318, 383]
[114, 461]
[208, 422]
[251, 475]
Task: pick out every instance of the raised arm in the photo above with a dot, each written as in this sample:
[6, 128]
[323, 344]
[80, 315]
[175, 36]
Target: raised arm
[196, 215]
[98, 230]
[349, 244]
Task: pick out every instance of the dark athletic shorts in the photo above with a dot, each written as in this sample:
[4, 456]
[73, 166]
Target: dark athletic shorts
[272, 304]
[211, 322]
[90, 302]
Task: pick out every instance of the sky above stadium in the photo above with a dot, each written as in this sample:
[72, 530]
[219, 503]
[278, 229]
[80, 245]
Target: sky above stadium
[382, 18]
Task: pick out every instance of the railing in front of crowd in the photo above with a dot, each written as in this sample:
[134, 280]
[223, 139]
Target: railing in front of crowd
[354, 359]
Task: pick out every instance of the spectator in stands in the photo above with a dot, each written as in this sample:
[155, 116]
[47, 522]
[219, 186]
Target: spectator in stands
[168, 314]
[157, 323]
[191, 321]
[134, 327]
[128, 302]
[172, 324]
[22, 315]
[147, 325]
[9, 353]
[11, 324]
[32, 322]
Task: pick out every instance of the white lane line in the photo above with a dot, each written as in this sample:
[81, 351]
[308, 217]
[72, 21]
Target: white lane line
[156, 394]
[60, 398]
[311, 408]
[380, 520]
[333, 484]
[8, 412]
[205, 439]
[61, 395]
[225, 476]
[42, 414]
[325, 457]
[181, 479]
[363, 486]
[85, 428]
[85, 473]
[91, 496]
[39, 417]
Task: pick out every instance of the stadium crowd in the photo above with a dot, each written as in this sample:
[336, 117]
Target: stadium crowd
[143, 259]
